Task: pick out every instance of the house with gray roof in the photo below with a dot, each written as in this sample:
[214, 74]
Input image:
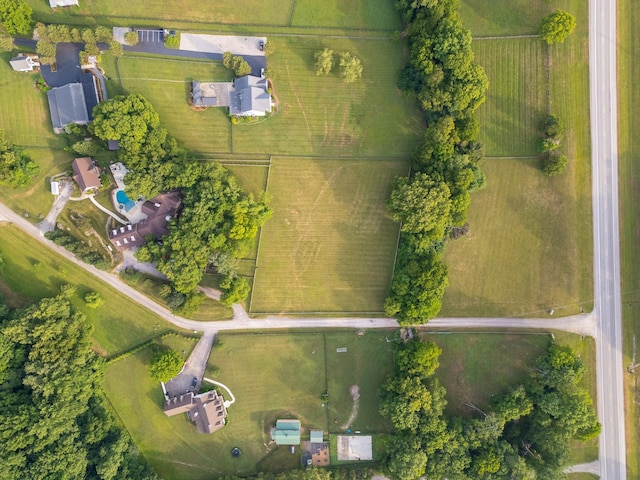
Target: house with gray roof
[250, 97]
[23, 63]
[67, 105]
[62, 3]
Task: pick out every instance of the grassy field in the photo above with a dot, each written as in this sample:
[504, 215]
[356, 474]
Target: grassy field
[517, 95]
[629, 151]
[367, 14]
[537, 252]
[298, 370]
[24, 112]
[330, 244]
[321, 115]
[31, 272]
[474, 367]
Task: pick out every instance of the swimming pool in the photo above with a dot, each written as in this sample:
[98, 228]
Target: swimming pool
[122, 199]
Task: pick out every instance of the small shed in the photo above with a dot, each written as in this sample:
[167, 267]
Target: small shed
[55, 188]
[316, 436]
[286, 432]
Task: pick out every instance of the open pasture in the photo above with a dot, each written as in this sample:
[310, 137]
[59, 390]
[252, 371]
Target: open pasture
[330, 246]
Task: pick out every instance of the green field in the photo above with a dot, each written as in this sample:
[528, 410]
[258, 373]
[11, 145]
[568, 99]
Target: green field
[629, 184]
[330, 245]
[531, 236]
[366, 14]
[31, 271]
[517, 95]
[293, 371]
[506, 17]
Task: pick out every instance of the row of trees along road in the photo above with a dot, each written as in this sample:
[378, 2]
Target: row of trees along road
[55, 421]
[526, 434]
[443, 77]
[217, 221]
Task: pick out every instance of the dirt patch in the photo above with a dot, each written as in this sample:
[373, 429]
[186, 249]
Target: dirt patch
[354, 391]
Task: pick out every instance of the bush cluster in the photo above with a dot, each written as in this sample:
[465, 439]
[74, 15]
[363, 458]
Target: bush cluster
[553, 162]
[79, 248]
[449, 85]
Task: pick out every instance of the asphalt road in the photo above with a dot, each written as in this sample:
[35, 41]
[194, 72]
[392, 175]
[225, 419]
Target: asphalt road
[606, 239]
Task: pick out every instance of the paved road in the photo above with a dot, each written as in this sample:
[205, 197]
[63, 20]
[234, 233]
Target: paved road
[49, 223]
[606, 254]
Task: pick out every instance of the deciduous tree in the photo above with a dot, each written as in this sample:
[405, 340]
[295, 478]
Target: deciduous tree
[555, 28]
[350, 67]
[324, 61]
[165, 364]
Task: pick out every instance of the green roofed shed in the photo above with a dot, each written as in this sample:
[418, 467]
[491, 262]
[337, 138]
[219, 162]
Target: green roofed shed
[316, 436]
[287, 432]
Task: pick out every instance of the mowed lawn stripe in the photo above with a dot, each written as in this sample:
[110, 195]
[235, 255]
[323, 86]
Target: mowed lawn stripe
[330, 245]
[166, 84]
[323, 116]
[364, 14]
[517, 94]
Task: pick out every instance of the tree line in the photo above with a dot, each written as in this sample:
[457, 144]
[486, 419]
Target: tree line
[525, 434]
[55, 420]
[16, 169]
[50, 35]
[449, 85]
[217, 221]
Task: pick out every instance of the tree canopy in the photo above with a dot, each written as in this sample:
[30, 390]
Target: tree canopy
[555, 28]
[165, 364]
[350, 67]
[55, 421]
[16, 169]
[324, 61]
[15, 16]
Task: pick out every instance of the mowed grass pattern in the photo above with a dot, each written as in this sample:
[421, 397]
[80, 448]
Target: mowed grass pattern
[527, 250]
[166, 84]
[517, 96]
[24, 111]
[330, 245]
[323, 116]
[629, 184]
[506, 17]
[366, 14]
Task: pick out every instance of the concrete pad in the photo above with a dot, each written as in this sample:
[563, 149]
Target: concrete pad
[222, 43]
[355, 447]
[119, 33]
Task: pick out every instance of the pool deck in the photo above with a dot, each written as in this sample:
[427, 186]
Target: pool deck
[134, 215]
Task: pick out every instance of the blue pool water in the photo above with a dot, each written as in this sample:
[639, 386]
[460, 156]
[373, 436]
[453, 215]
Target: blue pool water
[122, 198]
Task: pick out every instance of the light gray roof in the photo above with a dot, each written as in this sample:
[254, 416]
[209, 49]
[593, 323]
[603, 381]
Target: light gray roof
[250, 96]
[199, 100]
[21, 62]
[67, 105]
[62, 3]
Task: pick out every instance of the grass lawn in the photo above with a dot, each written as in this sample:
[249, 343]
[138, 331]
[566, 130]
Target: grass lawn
[322, 116]
[507, 17]
[24, 111]
[476, 366]
[531, 236]
[292, 379]
[528, 249]
[35, 199]
[366, 14]
[330, 245]
[517, 95]
[165, 82]
[32, 272]
[629, 150]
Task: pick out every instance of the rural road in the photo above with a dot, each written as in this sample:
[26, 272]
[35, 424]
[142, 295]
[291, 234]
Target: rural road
[606, 239]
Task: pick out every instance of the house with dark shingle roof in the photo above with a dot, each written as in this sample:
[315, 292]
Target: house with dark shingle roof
[206, 410]
[86, 174]
[23, 63]
[67, 105]
[159, 211]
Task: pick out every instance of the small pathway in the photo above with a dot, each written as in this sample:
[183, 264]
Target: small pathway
[107, 211]
[227, 403]
[593, 468]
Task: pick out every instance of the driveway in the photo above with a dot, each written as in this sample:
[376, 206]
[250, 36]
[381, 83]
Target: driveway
[235, 44]
[194, 367]
[49, 223]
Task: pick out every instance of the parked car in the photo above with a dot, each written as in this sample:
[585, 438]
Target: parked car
[262, 73]
[261, 45]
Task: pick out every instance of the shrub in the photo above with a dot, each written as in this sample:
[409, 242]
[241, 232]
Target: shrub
[324, 61]
[93, 300]
[172, 41]
[554, 164]
[350, 67]
[131, 38]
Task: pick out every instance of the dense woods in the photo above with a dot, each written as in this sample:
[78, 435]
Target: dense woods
[54, 418]
[525, 435]
[449, 86]
[218, 220]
